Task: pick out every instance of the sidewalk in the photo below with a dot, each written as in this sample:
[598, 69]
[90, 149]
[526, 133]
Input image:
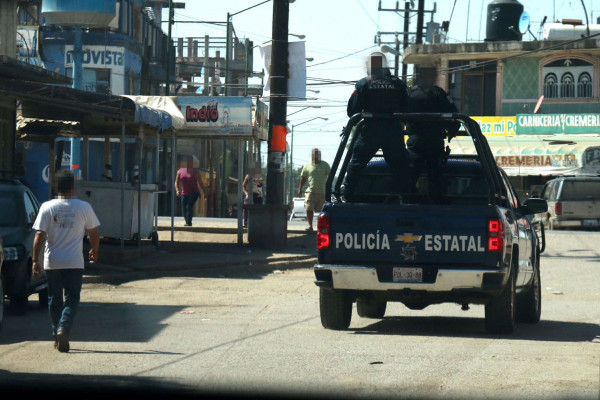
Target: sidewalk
[210, 243]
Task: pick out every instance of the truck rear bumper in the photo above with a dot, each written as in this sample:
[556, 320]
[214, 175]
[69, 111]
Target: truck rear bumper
[350, 277]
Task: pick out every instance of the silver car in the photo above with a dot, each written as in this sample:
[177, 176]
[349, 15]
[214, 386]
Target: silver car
[573, 202]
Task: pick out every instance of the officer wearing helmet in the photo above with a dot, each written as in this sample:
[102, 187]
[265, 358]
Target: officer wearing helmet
[378, 92]
[426, 139]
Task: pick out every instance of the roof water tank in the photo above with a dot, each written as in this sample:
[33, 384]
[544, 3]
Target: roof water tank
[556, 31]
[503, 21]
[87, 13]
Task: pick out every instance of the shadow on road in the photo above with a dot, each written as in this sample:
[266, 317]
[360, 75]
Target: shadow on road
[94, 322]
[71, 385]
[211, 259]
[21, 385]
[550, 331]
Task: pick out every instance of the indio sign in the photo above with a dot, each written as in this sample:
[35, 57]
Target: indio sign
[549, 124]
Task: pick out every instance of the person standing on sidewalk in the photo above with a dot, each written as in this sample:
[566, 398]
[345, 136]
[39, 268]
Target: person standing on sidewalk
[257, 183]
[315, 176]
[61, 224]
[188, 184]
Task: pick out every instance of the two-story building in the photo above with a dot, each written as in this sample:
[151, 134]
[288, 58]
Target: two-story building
[514, 84]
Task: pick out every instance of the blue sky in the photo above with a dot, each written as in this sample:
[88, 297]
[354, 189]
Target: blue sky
[345, 30]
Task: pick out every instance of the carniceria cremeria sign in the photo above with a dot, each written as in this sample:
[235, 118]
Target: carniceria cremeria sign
[549, 124]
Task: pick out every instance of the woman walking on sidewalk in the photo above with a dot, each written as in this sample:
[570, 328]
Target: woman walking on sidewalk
[188, 184]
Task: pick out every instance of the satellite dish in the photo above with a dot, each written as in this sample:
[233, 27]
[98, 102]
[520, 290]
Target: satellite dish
[524, 22]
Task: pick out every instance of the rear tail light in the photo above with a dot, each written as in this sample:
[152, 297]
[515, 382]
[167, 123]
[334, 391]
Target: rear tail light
[558, 208]
[495, 235]
[323, 232]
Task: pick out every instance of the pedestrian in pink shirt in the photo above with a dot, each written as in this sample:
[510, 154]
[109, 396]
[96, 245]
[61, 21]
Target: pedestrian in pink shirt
[188, 184]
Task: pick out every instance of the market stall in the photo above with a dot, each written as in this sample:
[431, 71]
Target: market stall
[51, 112]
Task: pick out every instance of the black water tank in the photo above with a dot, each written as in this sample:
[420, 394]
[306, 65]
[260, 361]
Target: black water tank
[503, 20]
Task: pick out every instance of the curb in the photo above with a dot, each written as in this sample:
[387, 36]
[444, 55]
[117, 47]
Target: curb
[128, 274]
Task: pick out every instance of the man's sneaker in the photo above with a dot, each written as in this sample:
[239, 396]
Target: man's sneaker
[63, 341]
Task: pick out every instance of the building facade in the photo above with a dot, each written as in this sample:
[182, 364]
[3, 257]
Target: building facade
[512, 83]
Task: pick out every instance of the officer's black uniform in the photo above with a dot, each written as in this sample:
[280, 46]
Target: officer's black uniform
[426, 139]
[381, 93]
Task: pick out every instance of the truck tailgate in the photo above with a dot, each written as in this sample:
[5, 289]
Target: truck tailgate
[408, 235]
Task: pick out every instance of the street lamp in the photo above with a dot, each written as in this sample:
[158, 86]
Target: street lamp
[389, 49]
[292, 153]
[395, 51]
[309, 59]
[302, 109]
[298, 36]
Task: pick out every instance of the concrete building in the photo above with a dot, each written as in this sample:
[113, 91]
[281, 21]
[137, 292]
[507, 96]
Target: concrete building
[511, 85]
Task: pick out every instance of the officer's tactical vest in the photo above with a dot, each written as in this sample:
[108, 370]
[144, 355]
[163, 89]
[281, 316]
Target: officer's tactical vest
[385, 95]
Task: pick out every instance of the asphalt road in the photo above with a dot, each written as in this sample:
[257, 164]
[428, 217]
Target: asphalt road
[237, 332]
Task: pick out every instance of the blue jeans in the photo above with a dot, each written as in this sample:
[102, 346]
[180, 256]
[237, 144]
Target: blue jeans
[187, 206]
[62, 312]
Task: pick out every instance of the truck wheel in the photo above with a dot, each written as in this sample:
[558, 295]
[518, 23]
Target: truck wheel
[500, 311]
[529, 303]
[336, 309]
[370, 307]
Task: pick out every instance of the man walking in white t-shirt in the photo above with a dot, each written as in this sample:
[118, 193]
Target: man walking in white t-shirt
[61, 224]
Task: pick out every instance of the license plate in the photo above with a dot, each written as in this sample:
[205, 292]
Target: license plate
[590, 222]
[401, 274]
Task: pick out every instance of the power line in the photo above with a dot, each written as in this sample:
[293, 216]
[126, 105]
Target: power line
[367, 14]
[339, 58]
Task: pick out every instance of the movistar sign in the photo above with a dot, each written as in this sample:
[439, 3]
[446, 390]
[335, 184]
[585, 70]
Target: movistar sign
[549, 124]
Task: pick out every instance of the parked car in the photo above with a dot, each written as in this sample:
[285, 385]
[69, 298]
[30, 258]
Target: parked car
[18, 210]
[1, 283]
[573, 202]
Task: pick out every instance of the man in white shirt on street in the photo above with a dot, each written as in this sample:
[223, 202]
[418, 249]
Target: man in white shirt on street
[61, 225]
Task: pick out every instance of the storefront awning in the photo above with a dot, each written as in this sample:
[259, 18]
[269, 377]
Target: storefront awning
[547, 155]
[157, 111]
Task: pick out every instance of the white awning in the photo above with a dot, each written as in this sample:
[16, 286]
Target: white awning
[158, 111]
[540, 154]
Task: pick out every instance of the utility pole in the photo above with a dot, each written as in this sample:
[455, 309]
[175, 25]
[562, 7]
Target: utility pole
[170, 22]
[420, 14]
[408, 13]
[173, 139]
[405, 37]
[227, 53]
[278, 107]
[267, 223]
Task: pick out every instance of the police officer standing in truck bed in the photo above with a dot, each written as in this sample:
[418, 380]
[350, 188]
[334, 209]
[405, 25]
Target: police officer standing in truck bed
[426, 139]
[378, 92]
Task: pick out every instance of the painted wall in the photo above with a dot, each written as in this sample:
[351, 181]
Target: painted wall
[521, 88]
[123, 60]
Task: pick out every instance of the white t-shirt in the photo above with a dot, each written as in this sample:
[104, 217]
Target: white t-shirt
[65, 221]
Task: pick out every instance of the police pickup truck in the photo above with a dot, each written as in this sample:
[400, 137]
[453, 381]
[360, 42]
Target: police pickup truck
[479, 245]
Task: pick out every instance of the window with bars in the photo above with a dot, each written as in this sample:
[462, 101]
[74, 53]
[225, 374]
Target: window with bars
[568, 78]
